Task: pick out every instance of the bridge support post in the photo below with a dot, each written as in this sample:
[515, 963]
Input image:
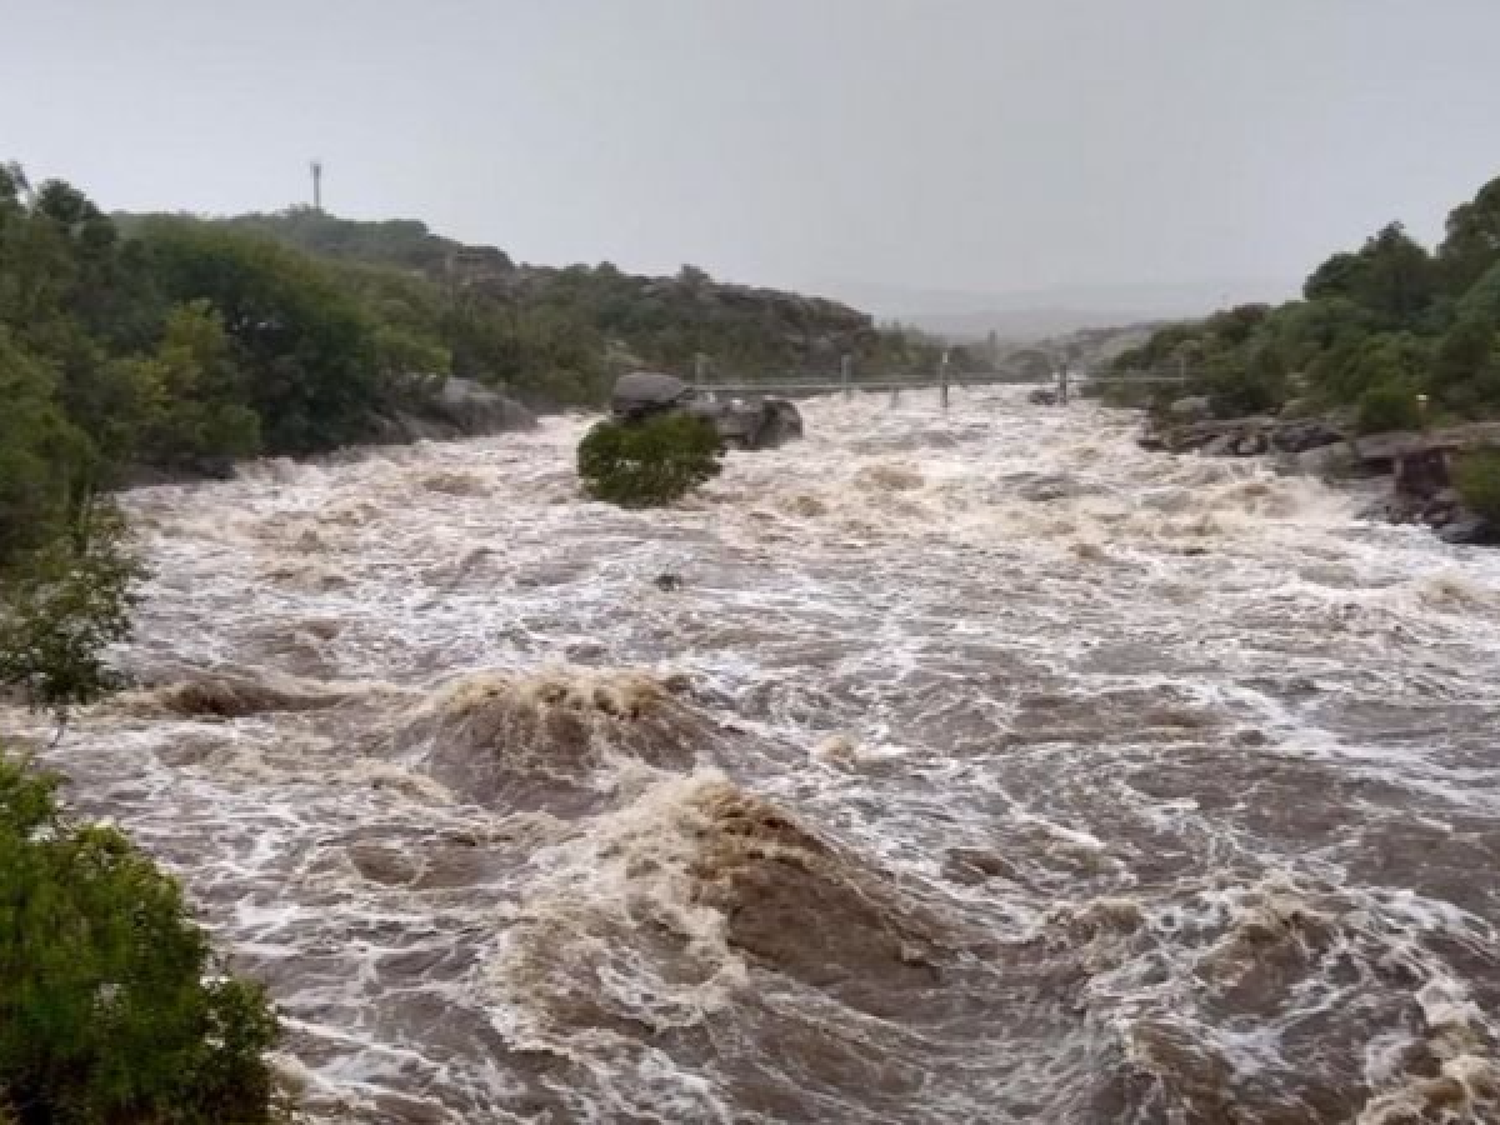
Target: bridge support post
[846, 371]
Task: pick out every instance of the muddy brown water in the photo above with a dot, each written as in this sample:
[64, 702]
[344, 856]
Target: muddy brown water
[978, 767]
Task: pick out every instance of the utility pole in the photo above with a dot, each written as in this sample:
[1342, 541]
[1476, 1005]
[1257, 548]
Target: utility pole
[317, 177]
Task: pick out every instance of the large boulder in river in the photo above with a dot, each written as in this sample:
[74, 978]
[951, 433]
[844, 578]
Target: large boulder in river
[461, 408]
[753, 423]
[475, 409]
[640, 394]
[1195, 408]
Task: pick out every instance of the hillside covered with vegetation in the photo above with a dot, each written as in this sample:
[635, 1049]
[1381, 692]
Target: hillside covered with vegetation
[173, 343]
[558, 335]
[1375, 328]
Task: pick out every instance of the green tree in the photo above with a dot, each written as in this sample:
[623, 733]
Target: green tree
[1472, 245]
[112, 1009]
[1466, 366]
[61, 609]
[1477, 478]
[191, 393]
[651, 463]
[43, 459]
[305, 348]
[1392, 276]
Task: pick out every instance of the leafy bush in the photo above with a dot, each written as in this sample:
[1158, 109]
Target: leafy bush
[60, 613]
[648, 464]
[1389, 406]
[111, 1010]
[1477, 477]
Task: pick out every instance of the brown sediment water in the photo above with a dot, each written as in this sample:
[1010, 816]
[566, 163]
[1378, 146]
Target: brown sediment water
[975, 766]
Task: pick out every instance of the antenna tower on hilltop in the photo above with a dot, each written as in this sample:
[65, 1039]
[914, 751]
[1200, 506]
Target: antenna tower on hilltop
[317, 175]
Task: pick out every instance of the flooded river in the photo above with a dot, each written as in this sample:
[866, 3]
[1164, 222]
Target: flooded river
[975, 767]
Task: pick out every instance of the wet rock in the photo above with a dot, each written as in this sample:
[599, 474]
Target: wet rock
[462, 408]
[639, 394]
[668, 583]
[1254, 436]
[1323, 461]
[1195, 408]
[233, 695]
[1470, 530]
[554, 740]
[802, 906]
[972, 866]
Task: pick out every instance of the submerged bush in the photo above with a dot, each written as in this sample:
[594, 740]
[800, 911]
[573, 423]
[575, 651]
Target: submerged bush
[111, 1008]
[650, 463]
[1477, 477]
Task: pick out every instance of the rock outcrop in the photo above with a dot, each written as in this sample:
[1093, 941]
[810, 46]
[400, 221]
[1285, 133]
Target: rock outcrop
[752, 423]
[1182, 432]
[462, 408]
[1418, 464]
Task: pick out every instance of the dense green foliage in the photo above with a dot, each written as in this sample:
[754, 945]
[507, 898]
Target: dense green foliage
[61, 610]
[111, 1009]
[558, 336]
[168, 343]
[1477, 477]
[1375, 328]
[650, 463]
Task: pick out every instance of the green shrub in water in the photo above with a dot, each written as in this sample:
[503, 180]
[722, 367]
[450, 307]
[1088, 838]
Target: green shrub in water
[651, 463]
[112, 1011]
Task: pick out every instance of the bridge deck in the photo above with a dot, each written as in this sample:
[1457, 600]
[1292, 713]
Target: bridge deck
[816, 385]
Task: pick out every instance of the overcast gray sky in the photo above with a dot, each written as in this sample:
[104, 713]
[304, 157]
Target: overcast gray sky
[985, 145]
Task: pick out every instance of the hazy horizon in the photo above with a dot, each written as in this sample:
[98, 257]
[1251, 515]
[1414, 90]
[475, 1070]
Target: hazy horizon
[960, 147]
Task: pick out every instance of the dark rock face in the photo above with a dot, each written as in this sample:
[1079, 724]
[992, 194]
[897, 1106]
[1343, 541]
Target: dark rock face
[757, 424]
[1418, 464]
[475, 409]
[1255, 436]
[640, 394]
[463, 408]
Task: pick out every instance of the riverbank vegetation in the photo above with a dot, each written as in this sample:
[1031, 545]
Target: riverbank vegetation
[113, 1008]
[1376, 328]
[134, 346]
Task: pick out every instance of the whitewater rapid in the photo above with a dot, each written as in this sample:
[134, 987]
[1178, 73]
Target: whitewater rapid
[943, 767]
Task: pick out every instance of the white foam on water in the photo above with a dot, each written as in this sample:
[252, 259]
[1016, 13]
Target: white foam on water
[1195, 767]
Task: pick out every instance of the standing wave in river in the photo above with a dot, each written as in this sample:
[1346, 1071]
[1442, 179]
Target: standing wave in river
[974, 766]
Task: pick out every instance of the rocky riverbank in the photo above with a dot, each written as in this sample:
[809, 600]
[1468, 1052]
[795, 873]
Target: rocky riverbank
[1417, 466]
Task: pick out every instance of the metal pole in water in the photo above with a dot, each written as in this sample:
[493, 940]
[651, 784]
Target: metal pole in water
[1062, 384]
[846, 370]
[943, 379]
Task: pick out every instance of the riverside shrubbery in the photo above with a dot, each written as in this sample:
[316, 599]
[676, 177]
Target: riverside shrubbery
[651, 463]
[111, 1007]
[113, 1010]
[1376, 326]
[1477, 478]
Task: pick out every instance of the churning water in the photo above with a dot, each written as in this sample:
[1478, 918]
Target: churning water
[976, 767]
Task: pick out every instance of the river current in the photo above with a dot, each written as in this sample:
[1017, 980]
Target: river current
[973, 766]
